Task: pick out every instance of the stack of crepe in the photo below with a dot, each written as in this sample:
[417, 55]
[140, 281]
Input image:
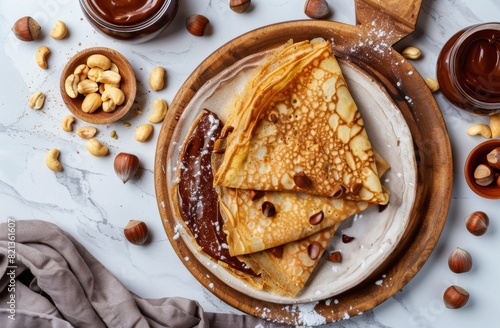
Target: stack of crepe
[293, 161]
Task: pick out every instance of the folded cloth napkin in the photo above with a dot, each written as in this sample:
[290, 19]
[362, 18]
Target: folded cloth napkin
[48, 279]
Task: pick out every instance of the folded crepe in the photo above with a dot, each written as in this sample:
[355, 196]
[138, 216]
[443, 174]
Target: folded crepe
[296, 128]
[285, 269]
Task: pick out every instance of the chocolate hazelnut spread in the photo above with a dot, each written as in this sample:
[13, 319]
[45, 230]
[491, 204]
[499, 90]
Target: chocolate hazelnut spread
[198, 199]
[468, 69]
[126, 12]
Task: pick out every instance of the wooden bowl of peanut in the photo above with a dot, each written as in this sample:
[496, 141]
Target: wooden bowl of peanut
[98, 85]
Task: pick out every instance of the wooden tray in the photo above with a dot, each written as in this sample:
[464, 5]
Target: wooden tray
[368, 45]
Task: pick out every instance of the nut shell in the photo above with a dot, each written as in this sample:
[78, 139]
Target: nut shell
[239, 6]
[136, 232]
[26, 29]
[126, 166]
[477, 223]
[455, 297]
[460, 261]
[197, 25]
[316, 9]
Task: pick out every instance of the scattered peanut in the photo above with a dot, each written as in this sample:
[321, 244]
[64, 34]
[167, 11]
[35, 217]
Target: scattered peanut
[96, 148]
[91, 102]
[36, 100]
[100, 61]
[86, 132]
[67, 123]
[495, 125]
[433, 84]
[157, 78]
[143, 132]
[159, 111]
[411, 53]
[41, 57]
[52, 161]
[59, 31]
[480, 129]
[113, 134]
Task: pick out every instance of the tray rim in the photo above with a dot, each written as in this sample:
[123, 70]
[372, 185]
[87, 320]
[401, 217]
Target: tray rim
[428, 234]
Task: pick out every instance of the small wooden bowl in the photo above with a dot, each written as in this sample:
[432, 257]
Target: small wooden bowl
[128, 85]
[478, 156]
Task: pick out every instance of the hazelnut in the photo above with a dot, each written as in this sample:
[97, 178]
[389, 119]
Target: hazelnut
[484, 175]
[197, 25]
[455, 297]
[126, 166]
[136, 232]
[493, 158]
[460, 261]
[335, 257]
[239, 6]
[26, 29]
[316, 9]
[477, 223]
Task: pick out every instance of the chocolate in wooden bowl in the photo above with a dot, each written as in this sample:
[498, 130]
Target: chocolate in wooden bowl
[128, 85]
[421, 113]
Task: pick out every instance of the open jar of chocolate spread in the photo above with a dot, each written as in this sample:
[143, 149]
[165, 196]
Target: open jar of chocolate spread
[130, 20]
[468, 69]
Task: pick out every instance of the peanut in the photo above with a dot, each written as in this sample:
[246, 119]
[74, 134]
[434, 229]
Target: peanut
[36, 100]
[143, 132]
[81, 71]
[157, 78]
[109, 77]
[495, 125]
[41, 57]
[87, 86]
[71, 85]
[86, 132]
[52, 161]
[411, 53]
[432, 84]
[91, 102]
[59, 31]
[96, 148]
[99, 61]
[67, 123]
[159, 111]
[480, 129]
[111, 98]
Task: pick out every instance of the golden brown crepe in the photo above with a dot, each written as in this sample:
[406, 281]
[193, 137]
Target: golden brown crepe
[296, 128]
[285, 269]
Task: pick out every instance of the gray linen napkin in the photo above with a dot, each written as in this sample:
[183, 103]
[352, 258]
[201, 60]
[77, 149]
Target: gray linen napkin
[56, 282]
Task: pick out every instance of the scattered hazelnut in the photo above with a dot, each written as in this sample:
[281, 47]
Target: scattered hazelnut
[455, 297]
[26, 29]
[493, 158]
[484, 175]
[477, 223]
[197, 25]
[126, 166]
[316, 9]
[239, 6]
[136, 232]
[460, 261]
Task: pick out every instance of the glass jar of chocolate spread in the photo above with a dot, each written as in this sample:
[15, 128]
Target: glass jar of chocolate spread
[130, 20]
[468, 69]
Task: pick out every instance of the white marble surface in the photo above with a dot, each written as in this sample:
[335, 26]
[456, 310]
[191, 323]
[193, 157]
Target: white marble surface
[91, 203]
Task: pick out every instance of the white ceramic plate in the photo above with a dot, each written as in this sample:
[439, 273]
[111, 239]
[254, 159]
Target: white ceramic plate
[376, 233]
